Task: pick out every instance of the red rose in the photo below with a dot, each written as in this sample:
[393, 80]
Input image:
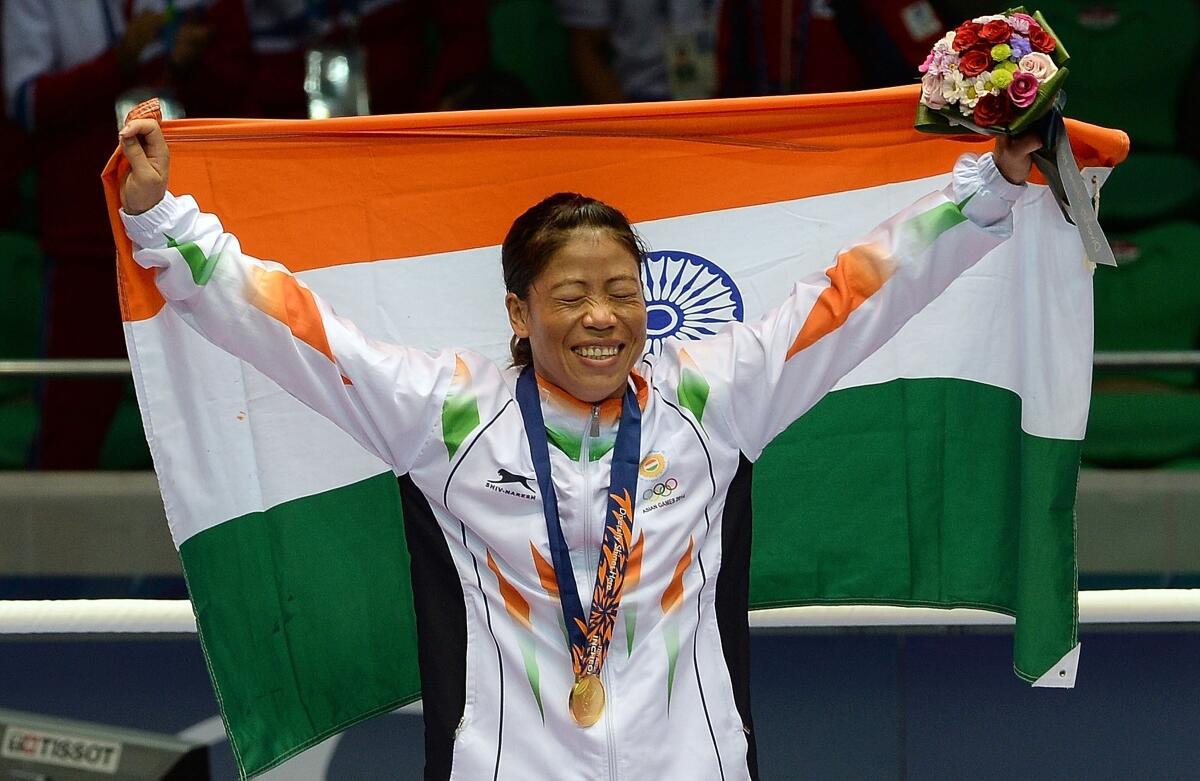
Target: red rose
[974, 62]
[966, 36]
[994, 110]
[996, 31]
[1041, 41]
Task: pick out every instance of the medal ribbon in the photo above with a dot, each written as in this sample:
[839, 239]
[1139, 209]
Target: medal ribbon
[589, 639]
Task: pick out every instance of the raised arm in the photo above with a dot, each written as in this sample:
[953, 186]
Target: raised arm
[761, 376]
[387, 397]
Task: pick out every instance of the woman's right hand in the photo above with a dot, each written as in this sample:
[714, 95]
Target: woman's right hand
[145, 148]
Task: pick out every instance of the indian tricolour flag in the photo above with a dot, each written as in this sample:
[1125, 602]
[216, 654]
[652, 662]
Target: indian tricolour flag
[942, 471]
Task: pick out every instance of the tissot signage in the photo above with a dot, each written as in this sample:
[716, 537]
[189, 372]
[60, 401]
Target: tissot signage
[52, 748]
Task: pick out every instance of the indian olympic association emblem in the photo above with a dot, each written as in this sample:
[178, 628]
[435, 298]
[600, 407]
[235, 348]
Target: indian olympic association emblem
[687, 296]
[653, 466]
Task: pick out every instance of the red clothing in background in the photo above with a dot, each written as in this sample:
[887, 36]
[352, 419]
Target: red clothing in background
[767, 47]
[69, 108]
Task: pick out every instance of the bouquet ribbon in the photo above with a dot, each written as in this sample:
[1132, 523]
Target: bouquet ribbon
[1056, 161]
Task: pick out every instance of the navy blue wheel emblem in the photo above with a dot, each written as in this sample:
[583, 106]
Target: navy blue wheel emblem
[687, 296]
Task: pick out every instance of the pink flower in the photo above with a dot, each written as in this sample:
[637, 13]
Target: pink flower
[1020, 22]
[1023, 89]
[931, 91]
[924, 67]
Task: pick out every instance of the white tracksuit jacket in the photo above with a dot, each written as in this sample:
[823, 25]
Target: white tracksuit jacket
[496, 669]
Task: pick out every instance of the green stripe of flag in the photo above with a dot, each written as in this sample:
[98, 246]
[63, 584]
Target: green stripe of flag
[306, 617]
[922, 492]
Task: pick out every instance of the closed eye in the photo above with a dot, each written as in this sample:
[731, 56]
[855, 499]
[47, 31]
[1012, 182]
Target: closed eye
[625, 292]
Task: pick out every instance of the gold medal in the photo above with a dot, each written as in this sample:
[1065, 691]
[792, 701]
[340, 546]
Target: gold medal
[587, 700]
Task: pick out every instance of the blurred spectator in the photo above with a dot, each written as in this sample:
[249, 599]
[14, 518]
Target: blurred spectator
[663, 49]
[770, 47]
[280, 31]
[414, 50]
[13, 142]
[620, 48]
[66, 63]
[491, 88]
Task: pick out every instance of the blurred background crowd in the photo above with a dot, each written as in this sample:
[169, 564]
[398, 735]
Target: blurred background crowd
[71, 67]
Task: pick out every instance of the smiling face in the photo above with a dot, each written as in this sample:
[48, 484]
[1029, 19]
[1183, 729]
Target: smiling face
[584, 316]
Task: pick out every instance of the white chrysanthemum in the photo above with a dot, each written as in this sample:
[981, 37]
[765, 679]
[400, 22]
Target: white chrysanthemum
[954, 87]
[983, 85]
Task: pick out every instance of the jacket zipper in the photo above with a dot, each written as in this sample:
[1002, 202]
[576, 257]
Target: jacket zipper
[585, 516]
[611, 709]
[585, 463]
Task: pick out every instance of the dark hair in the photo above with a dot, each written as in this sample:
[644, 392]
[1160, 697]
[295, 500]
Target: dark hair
[541, 231]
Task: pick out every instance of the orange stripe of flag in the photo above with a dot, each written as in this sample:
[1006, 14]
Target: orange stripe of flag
[351, 190]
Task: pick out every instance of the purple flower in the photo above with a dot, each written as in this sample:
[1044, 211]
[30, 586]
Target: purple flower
[939, 62]
[1023, 89]
[1020, 46]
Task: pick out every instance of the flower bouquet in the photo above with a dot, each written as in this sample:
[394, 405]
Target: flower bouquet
[995, 74]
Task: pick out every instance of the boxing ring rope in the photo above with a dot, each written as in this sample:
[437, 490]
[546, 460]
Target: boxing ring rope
[65, 367]
[119, 367]
[149, 616]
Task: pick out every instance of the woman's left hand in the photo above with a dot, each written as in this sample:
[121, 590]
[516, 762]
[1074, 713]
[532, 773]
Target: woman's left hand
[1014, 155]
